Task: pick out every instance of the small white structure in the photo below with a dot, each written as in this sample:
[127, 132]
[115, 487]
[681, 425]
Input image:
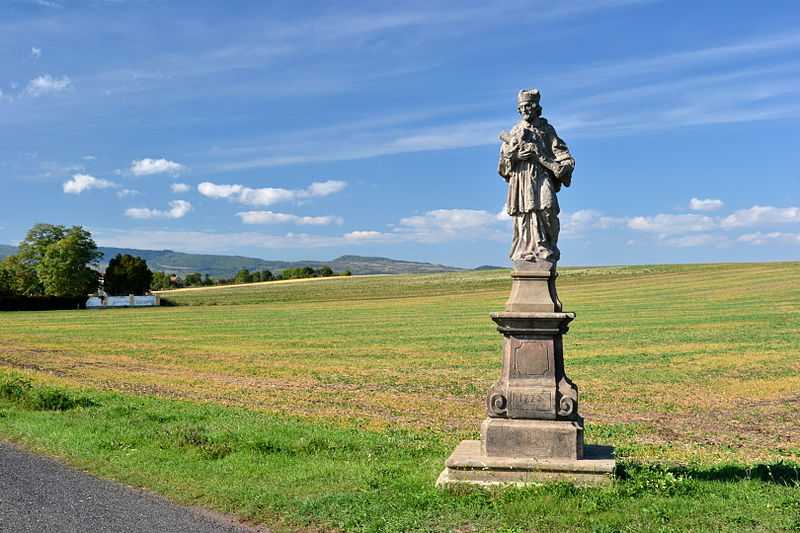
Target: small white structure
[104, 302]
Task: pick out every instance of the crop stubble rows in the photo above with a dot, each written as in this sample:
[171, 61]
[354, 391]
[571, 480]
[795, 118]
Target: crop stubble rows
[696, 362]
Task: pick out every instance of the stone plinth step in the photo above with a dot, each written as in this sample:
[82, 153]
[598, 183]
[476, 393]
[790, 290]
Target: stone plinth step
[466, 466]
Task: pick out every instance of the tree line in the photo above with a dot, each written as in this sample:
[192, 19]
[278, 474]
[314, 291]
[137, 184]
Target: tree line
[165, 280]
[52, 261]
[63, 264]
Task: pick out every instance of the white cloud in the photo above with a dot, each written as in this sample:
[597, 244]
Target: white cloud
[46, 84]
[178, 188]
[202, 241]
[88, 158]
[269, 217]
[441, 225]
[759, 238]
[365, 235]
[760, 215]
[177, 209]
[708, 204]
[36, 53]
[586, 219]
[47, 3]
[326, 188]
[83, 182]
[694, 240]
[269, 195]
[147, 166]
[212, 190]
[672, 224]
[124, 193]
[450, 220]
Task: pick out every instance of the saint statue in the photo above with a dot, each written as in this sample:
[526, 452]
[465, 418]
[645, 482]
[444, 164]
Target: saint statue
[535, 163]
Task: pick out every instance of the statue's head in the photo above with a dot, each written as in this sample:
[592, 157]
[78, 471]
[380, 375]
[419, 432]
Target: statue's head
[528, 104]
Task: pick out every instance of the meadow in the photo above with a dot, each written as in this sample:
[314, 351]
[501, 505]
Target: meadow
[332, 404]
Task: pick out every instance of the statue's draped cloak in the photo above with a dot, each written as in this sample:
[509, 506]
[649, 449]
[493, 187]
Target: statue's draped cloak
[532, 188]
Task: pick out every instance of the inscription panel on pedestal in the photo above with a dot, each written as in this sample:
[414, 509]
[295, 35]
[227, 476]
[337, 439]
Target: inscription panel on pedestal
[531, 358]
[531, 404]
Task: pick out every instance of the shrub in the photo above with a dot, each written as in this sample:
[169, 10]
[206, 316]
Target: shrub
[21, 391]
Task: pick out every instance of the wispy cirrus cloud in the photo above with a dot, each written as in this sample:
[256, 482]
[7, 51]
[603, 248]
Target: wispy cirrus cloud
[177, 209]
[658, 64]
[265, 196]
[124, 193]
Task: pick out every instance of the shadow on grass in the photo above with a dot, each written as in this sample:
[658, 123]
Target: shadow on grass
[779, 472]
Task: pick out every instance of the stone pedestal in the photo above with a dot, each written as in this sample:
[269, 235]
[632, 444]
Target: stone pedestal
[533, 431]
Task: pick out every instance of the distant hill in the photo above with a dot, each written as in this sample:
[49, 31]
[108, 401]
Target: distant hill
[226, 266]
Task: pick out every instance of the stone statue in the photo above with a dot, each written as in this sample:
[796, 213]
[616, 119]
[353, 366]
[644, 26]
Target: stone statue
[535, 163]
[533, 430]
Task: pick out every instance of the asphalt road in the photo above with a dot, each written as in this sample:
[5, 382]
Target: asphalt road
[39, 495]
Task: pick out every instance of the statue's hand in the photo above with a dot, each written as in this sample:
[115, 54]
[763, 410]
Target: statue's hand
[527, 151]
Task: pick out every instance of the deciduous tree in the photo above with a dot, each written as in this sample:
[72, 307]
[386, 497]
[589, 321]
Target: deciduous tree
[65, 266]
[127, 274]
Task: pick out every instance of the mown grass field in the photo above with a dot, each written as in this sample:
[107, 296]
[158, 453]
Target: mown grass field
[333, 404]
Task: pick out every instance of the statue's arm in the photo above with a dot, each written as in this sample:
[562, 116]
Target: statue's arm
[508, 150]
[564, 162]
[504, 166]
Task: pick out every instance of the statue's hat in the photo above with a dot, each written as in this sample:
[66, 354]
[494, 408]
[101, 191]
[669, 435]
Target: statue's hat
[528, 95]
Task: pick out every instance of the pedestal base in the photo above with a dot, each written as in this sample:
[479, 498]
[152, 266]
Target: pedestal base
[544, 439]
[467, 466]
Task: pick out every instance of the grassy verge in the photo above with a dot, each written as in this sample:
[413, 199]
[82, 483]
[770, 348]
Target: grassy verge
[292, 473]
[332, 406]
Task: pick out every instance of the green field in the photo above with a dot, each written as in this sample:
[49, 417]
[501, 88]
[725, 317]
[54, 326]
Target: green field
[332, 404]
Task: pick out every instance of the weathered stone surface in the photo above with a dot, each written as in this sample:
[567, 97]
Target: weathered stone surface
[535, 163]
[545, 439]
[533, 431]
[533, 292]
[468, 466]
[533, 384]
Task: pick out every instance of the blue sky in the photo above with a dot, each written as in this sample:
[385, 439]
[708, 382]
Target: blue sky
[310, 130]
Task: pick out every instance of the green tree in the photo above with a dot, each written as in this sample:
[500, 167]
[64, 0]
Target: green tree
[20, 277]
[243, 276]
[325, 271]
[160, 281]
[64, 268]
[195, 279]
[127, 274]
[34, 246]
[266, 275]
[6, 281]
[32, 250]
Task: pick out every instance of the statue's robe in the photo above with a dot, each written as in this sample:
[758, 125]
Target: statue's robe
[532, 187]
